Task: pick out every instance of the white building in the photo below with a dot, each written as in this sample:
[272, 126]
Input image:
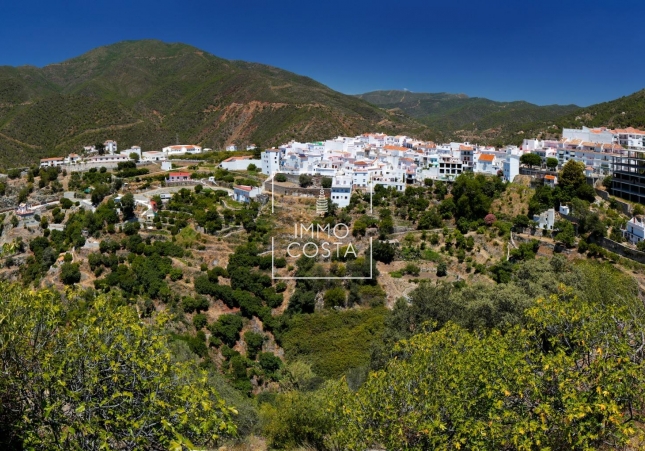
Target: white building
[239, 163]
[511, 166]
[635, 230]
[486, 164]
[110, 146]
[133, 149]
[546, 219]
[245, 193]
[153, 155]
[98, 159]
[181, 149]
[54, 161]
[341, 189]
[270, 161]
[231, 148]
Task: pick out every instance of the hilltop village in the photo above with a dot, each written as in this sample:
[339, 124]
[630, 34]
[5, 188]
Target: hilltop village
[421, 233]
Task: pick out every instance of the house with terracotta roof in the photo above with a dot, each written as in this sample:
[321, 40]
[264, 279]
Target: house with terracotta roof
[486, 163]
[49, 162]
[239, 163]
[245, 193]
[550, 180]
[178, 177]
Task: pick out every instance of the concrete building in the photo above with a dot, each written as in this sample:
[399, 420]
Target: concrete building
[511, 166]
[634, 230]
[341, 189]
[245, 193]
[270, 161]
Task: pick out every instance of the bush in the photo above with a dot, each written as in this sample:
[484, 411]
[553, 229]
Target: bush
[269, 362]
[227, 328]
[305, 180]
[70, 273]
[411, 269]
[254, 343]
[199, 321]
[280, 178]
[442, 269]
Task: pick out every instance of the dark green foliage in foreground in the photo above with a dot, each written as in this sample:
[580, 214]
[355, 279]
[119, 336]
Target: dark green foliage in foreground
[333, 342]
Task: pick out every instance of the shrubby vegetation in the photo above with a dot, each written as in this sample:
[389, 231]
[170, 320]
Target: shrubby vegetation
[68, 384]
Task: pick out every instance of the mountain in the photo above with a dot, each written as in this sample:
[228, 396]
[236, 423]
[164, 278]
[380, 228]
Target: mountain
[150, 93]
[627, 111]
[461, 117]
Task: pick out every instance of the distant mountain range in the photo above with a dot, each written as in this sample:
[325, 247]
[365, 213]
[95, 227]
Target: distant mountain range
[459, 116]
[150, 93]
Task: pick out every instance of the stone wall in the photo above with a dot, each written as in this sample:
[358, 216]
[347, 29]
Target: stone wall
[622, 250]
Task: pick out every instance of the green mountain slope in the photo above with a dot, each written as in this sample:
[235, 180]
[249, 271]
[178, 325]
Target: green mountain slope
[627, 111]
[459, 116]
[148, 92]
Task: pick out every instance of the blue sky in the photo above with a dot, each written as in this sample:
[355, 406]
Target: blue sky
[542, 51]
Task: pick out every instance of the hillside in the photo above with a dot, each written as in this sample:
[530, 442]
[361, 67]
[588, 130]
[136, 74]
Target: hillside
[627, 111]
[461, 117]
[148, 93]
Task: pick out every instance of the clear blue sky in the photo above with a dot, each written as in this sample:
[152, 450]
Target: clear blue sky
[543, 51]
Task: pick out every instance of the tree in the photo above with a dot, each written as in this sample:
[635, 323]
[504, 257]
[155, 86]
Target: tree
[127, 205]
[134, 157]
[566, 234]
[100, 148]
[335, 297]
[572, 376]
[227, 328]
[383, 252]
[521, 221]
[430, 219]
[326, 182]
[606, 182]
[73, 385]
[280, 178]
[254, 342]
[442, 269]
[305, 180]
[531, 159]
[572, 175]
[99, 193]
[552, 163]
[70, 273]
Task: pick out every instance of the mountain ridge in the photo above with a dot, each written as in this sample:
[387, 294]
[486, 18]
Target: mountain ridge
[169, 90]
[459, 116]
